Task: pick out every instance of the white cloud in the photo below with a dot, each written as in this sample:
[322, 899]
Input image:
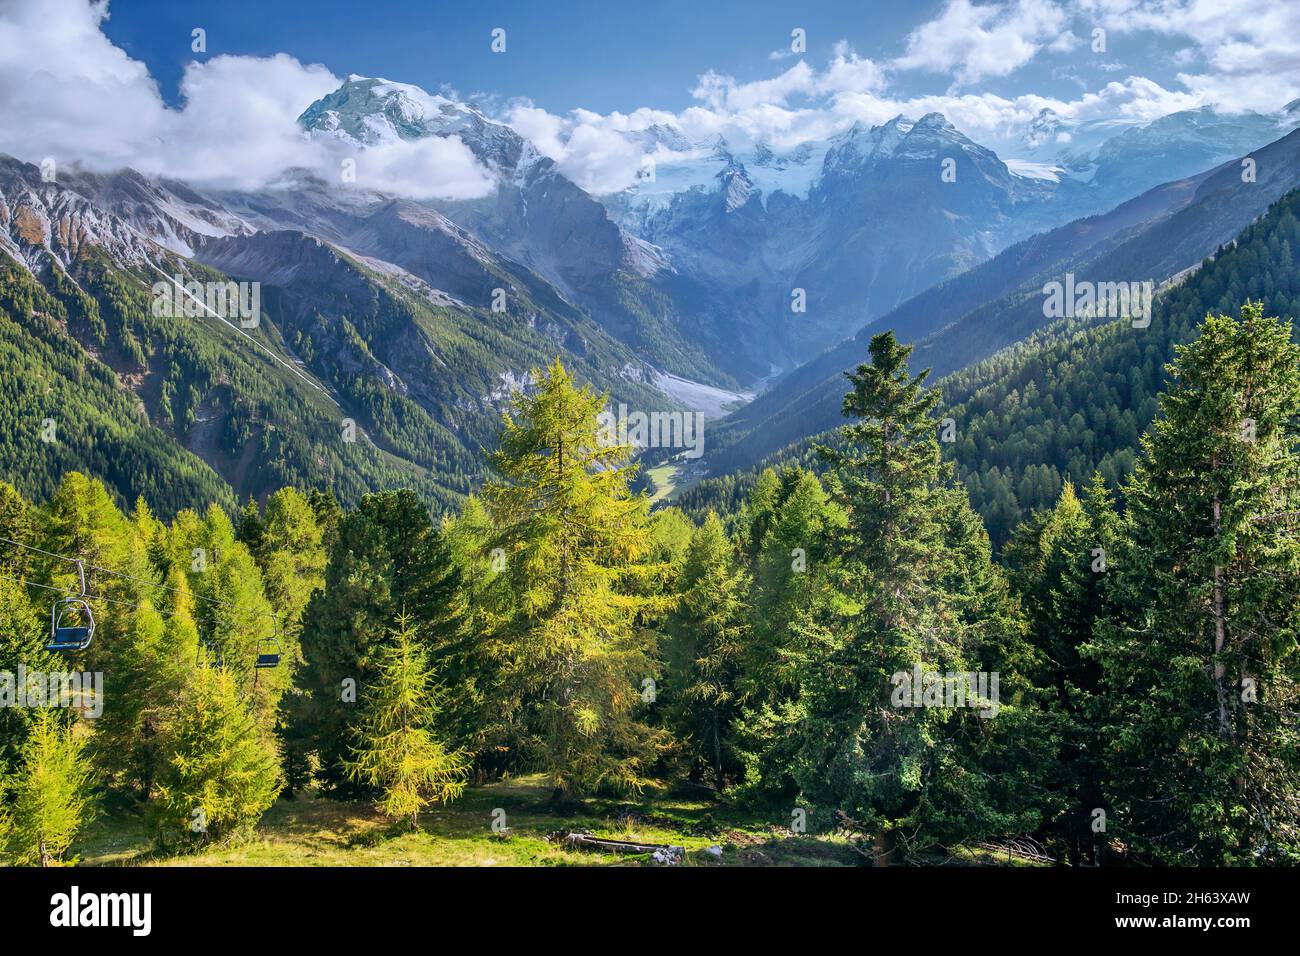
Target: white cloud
[1251, 47]
[1067, 42]
[846, 72]
[850, 73]
[67, 92]
[967, 41]
[590, 148]
[724, 93]
[65, 89]
[594, 151]
[238, 125]
[432, 168]
[971, 41]
[546, 130]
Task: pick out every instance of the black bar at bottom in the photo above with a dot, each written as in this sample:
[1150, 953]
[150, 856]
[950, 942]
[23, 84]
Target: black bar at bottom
[337, 905]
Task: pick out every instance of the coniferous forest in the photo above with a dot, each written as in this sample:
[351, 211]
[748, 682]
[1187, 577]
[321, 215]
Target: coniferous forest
[1130, 660]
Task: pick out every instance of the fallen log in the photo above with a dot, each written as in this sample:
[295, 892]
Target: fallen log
[585, 841]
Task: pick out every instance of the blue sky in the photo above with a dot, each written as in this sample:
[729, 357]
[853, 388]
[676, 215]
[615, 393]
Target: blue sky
[569, 54]
[562, 54]
[112, 84]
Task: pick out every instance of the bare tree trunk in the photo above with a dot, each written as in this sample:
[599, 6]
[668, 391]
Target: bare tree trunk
[717, 752]
[884, 846]
[1220, 634]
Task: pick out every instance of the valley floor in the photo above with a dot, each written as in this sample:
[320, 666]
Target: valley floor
[314, 831]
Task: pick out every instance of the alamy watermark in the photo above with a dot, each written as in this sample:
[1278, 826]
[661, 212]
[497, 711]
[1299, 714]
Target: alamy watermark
[83, 690]
[1104, 300]
[916, 688]
[176, 299]
[654, 430]
[130, 910]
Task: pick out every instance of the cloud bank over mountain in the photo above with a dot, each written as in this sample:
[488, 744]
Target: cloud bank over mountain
[67, 92]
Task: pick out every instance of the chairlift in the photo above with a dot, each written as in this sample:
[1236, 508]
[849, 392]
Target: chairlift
[72, 623]
[269, 650]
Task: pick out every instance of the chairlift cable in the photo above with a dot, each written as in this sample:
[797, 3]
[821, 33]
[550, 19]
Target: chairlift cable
[262, 659]
[240, 331]
[268, 651]
[88, 597]
[129, 577]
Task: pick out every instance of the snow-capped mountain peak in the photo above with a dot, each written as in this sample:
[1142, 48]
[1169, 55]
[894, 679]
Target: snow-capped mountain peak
[930, 136]
[737, 187]
[371, 111]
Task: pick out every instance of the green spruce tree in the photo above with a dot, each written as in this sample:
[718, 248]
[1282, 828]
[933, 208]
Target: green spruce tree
[916, 588]
[791, 523]
[1200, 662]
[387, 558]
[706, 632]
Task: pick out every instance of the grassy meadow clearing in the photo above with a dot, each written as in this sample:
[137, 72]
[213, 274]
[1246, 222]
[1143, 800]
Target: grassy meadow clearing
[310, 830]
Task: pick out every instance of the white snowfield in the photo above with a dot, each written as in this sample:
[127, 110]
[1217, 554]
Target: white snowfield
[709, 400]
[1030, 170]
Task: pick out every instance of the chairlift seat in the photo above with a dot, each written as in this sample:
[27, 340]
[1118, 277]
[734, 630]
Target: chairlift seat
[267, 660]
[71, 638]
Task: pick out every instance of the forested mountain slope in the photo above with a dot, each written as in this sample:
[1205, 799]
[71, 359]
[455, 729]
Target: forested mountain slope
[1075, 396]
[357, 375]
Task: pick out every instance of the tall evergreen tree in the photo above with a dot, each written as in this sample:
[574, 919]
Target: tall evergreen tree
[570, 627]
[1200, 663]
[791, 524]
[387, 559]
[126, 734]
[288, 543]
[24, 629]
[289, 550]
[235, 617]
[221, 772]
[1061, 564]
[916, 589]
[250, 528]
[706, 632]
